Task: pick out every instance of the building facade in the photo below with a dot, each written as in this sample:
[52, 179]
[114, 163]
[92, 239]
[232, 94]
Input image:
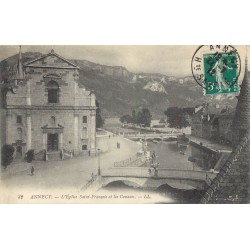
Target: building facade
[49, 111]
[212, 122]
[210, 126]
[225, 125]
[196, 123]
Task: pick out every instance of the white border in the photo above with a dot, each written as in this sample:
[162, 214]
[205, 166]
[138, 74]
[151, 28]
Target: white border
[124, 226]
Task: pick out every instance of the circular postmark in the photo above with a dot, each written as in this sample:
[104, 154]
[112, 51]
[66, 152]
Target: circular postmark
[216, 68]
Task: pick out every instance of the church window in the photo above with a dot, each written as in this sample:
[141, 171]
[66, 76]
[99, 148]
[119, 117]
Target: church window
[84, 119]
[53, 92]
[19, 119]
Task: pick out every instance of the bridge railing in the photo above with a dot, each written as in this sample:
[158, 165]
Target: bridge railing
[135, 161]
[90, 182]
[153, 135]
[162, 173]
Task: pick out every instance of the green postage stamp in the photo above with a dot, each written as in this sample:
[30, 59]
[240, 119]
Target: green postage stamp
[216, 68]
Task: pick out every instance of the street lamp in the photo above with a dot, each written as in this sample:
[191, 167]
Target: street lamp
[99, 163]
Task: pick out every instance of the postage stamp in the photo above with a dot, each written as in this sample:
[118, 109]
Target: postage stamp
[216, 68]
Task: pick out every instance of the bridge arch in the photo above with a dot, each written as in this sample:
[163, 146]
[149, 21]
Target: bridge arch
[140, 177]
[132, 182]
[181, 184]
[155, 183]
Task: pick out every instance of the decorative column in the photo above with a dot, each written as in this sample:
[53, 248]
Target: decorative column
[8, 127]
[45, 141]
[76, 101]
[28, 97]
[61, 141]
[76, 134]
[28, 115]
[92, 137]
[92, 100]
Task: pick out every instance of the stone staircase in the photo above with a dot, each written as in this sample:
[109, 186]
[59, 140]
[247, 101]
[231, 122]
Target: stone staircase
[66, 154]
[40, 156]
[54, 156]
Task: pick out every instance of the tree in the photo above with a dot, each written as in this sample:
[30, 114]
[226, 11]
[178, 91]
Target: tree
[99, 119]
[146, 117]
[30, 155]
[126, 119]
[176, 118]
[139, 118]
[7, 155]
[142, 117]
[133, 116]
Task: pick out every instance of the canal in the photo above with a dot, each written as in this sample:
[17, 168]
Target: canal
[173, 155]
[170, 155]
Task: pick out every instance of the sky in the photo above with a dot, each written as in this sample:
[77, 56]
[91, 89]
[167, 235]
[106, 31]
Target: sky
[168, 59]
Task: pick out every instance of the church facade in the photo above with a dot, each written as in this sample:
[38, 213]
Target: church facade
[49, 111]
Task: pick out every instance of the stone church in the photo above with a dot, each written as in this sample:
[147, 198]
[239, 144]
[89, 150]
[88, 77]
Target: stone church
[47, 110]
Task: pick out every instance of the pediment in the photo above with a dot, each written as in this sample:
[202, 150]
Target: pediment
[51, 60]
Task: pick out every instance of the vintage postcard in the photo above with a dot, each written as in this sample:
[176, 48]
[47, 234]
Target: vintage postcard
[125, 124]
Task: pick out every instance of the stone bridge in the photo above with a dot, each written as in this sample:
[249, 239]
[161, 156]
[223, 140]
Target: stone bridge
[140, 178]
[159, 136]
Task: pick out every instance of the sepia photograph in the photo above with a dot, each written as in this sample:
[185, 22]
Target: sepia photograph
[121, 127]
[125, 124]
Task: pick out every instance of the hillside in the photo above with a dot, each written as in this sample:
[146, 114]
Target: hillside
[120, 91]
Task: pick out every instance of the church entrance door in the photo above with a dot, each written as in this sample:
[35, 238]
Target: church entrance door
[18, 151]
[52, 142]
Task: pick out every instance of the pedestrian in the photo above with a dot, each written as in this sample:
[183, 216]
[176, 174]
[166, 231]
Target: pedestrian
[32, 170]
[153, 155]
[109, 136]
[89, 152]
[156, 171]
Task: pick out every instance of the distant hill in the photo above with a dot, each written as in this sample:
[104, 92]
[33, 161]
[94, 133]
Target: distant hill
[119, 91]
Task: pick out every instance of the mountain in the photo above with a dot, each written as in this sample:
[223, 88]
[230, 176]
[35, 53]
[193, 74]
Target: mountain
[119, 91]
[155, 87]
